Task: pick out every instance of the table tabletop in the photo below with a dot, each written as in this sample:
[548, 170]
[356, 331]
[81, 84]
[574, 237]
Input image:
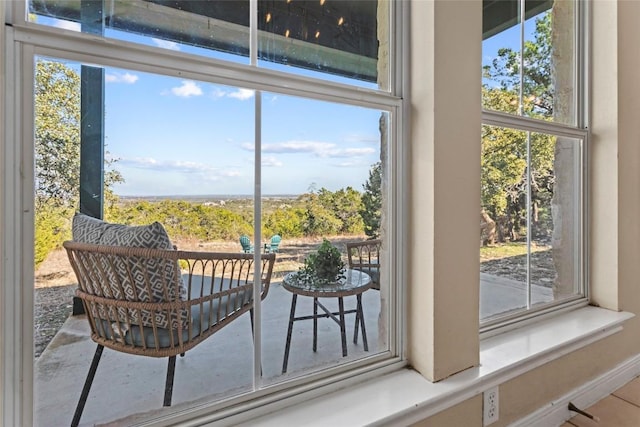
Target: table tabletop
[354, 282]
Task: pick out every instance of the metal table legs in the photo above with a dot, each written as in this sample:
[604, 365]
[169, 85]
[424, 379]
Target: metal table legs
[337, 317]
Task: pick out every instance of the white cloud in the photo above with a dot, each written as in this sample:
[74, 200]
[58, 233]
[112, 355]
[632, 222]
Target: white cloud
[242, 94]
[362, 139]
[316, 148]
[218, 93]
[199, 171]
[352, 152]
[271, 161]
[348, 164]
[68, 25]
[294, 147]
[188, 88]
[166, 44]
[127, 78]
[140, 162]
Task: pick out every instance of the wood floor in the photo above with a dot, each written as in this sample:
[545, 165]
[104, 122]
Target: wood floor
[620, 409]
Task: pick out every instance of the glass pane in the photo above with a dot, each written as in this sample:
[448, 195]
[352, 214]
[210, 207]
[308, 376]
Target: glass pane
[57, 130]
[554, 220]
[538, 77]
[501, 56]
[529, 220]
[503, 219]
[218, 29]
[335, 39]
[177, 152]
[549, 68]
[321, 180]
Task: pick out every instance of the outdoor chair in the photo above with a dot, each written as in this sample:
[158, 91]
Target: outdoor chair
[245, 242]
[365, 256]
[155, 301]
[274, 244]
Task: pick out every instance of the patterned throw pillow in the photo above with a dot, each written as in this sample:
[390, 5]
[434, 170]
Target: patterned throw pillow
[164, 278]
[87, 229]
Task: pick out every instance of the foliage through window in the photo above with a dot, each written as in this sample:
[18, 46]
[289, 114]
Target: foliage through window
[532, 165]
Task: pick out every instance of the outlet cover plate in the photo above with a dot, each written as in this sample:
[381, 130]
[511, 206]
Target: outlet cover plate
[490, 406]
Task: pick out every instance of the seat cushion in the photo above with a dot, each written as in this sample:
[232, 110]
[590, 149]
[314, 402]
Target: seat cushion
[374, 273]
[203, 317]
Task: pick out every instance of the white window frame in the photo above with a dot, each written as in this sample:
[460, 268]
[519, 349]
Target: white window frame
[580, 132]
[25, 41]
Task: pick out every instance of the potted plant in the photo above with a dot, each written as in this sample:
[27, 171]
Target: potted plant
[323, 267]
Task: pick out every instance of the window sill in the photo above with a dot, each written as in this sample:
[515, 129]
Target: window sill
[405, 397]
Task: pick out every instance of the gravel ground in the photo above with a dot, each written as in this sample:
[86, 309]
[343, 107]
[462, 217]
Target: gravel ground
[542, 272]
[52, 307]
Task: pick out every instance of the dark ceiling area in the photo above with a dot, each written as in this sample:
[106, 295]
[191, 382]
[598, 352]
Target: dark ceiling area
[498, 15]
[344, 25]
[295, 32]
[348, 26]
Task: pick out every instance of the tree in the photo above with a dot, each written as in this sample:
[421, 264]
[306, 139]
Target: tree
[319, 220]
[504, 151]
[57, 154]
[345, 204]
[372, 201]
[57, 133]
[504, 75]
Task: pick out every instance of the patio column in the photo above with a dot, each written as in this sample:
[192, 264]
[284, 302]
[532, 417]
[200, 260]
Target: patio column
[562, 203]
[92, 119]
[383, 83]
[92, 126]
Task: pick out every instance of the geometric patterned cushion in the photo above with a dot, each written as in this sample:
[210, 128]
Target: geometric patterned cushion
[151, 236]
[87, 229]
[162, 273]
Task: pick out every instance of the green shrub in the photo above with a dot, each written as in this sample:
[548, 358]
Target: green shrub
[52, 227]
[323, 266]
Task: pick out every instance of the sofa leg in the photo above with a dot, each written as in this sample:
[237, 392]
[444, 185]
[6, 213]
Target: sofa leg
[87, 386]
[168, 388]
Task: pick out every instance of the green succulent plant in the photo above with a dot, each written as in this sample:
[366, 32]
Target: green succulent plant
[323, 266]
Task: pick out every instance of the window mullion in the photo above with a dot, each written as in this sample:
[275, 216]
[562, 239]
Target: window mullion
[521, 7]
[529, 220]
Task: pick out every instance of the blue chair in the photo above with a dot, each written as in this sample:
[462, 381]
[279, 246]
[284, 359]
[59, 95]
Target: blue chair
[245, 242]
[275, 243]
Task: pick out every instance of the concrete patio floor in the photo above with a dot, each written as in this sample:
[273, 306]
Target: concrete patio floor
[128, 387]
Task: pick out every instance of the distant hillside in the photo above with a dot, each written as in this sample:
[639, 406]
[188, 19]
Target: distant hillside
[207, 197]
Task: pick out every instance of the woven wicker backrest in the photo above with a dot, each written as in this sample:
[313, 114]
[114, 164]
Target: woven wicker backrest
[219, 288]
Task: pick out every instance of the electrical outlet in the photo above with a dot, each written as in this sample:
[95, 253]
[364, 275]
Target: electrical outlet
[490, 406]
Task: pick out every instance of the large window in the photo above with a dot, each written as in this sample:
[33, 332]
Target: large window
[218, 121]
[533, 158]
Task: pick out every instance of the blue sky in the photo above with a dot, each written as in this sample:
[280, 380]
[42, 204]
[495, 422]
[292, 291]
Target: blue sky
[174, 136]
